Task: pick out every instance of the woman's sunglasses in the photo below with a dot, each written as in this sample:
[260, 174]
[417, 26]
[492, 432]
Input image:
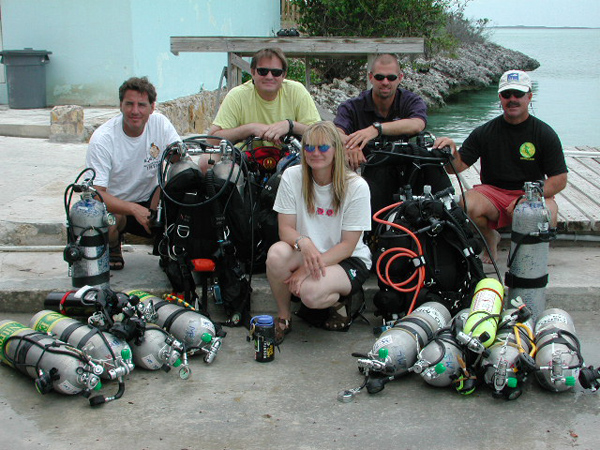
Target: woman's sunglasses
[322, 148]
[381, 77]
[263, 71]
[510, 93]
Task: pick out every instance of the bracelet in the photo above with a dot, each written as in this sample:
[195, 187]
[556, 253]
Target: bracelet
[291, 124]
[296, 246]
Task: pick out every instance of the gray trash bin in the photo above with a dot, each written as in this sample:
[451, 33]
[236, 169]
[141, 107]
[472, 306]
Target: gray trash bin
[26, 77]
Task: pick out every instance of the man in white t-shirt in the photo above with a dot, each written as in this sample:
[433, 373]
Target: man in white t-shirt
[125, 153]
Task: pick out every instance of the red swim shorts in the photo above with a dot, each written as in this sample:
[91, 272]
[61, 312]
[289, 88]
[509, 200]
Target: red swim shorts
[500, 198]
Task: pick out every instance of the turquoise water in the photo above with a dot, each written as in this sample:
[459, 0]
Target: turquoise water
[566, 86]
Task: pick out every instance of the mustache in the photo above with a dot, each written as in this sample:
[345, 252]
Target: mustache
[513, 104]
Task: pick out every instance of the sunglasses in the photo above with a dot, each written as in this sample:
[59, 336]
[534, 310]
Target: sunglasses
[381, 77]
[322, 148]
[509, 93]
[263, 71]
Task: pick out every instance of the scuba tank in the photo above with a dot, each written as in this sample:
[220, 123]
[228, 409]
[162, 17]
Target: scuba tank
[527, 274]
[228, 170]
[481, 325]
[113, 354]
[396, 349]
[395, 352]
[53, 364]
[558, 356]
[87, 232]
[195, 331]
[509, 361]
[157, 349]
[439, 363]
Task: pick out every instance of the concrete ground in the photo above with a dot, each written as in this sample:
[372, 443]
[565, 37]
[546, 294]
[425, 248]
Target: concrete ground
[237, 403]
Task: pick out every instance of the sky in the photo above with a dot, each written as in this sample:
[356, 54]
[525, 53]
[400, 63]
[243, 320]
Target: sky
[550, 13]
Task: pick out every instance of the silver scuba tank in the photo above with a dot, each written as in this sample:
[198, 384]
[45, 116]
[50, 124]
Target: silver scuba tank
[53, 364]
[113, 354]
[527, 274]
[439, 362]
[508, 360]
[87, 251]
[398, 346]
[194, 330]
[227, 170]
[558, 356]
[157, 349]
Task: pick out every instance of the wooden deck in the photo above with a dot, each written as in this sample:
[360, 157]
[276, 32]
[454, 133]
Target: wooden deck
[579, 202]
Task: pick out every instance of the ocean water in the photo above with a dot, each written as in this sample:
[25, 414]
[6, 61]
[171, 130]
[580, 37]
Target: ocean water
[566, 86]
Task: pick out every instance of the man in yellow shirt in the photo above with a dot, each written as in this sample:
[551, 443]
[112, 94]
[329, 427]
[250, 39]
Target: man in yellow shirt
[267, 107]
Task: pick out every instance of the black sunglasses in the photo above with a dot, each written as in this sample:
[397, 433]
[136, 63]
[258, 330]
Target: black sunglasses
[263, 71]
[510, 92]
[381, 77]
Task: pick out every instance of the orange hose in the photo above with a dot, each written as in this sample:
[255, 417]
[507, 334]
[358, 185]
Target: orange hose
[419, 272]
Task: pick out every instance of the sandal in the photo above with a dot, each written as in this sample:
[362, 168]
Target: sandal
[115, 258]
[337, 322]
[282, 327]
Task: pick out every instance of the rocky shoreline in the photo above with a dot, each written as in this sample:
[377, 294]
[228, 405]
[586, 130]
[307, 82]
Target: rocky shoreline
[475, 66]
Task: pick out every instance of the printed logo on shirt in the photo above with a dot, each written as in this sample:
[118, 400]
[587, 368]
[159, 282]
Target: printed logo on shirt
[151, 162]
[154, 151]
[352, 273]
[527, 151]
[326, 212]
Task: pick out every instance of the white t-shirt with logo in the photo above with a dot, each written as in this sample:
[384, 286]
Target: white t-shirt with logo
[127, 166]
[325, 227]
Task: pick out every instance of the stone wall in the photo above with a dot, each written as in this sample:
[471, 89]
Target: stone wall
[192, 114]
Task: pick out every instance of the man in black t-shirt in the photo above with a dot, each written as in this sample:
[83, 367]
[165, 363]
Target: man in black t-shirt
[514, 148]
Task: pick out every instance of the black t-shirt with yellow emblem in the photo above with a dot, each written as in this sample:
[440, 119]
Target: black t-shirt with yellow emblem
[513, 154]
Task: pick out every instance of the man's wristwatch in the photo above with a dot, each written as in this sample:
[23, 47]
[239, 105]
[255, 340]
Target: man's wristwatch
[296, 246]
[379, 128]
[291, 125]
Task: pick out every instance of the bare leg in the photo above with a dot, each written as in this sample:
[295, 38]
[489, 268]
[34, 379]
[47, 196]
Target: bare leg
[282, 260]
[553, 207]
[481, 210]
[115, 230]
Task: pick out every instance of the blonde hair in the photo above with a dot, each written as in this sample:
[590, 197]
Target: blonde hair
[321, 133]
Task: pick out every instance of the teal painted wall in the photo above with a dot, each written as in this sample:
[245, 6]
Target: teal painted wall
[97, 44]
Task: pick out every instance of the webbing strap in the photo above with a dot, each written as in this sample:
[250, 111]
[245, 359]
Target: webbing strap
[513, 281]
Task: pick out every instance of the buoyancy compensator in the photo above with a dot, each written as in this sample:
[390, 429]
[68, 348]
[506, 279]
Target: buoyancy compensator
[425, 250]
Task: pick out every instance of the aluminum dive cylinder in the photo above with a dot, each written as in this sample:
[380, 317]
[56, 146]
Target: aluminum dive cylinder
[508, 361]
[558, 357]
[196, 331]
[113, 354]
[157, 349]
[484, 312]
[87, 250]
[398, 346]
[438, 363]
[527, 274]
[53, 364]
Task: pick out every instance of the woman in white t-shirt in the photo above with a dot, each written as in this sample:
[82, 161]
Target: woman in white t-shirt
[324, 208]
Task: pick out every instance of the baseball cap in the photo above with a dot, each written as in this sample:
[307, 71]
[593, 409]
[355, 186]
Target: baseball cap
[515, 79]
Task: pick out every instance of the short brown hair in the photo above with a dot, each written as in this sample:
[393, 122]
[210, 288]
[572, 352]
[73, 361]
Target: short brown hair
[141, 85]
[269, 53]
[385, 58]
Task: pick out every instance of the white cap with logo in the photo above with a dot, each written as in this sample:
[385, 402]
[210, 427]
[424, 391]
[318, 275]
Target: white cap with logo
[515, 79]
